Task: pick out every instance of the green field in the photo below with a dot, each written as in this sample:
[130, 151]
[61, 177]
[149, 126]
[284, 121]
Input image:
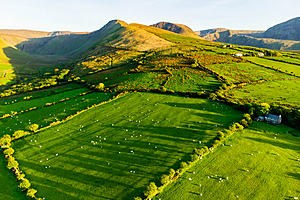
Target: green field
[246, 72]
[261, 164]
[113, 151]
[281, 91]
[46, 115]
[191, 80]
[8, 185]
[286, 59]
[285, 67]
[39, 102]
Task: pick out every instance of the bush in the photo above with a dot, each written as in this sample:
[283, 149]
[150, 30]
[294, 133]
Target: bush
[151, 190]
[183, 165]
[244, 123]
[194, 157]
[20, 177]
[5, 141]
[220, 134]
[31, 193]
[100, 86]
[171, 173]
[12, 163]
[25, 184]
[9, 151]
[164, 179]
[20, 133]
[33, 127]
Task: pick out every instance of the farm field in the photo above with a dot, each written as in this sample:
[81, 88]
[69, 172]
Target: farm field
[261, 164]
[246, 72]
[6, 73]
[286, 59]
[280, 91]
[8, 185]
[46, 115]
[39, 93]
[113, 151]
[38, 102]
[191, 80]
[285, 67]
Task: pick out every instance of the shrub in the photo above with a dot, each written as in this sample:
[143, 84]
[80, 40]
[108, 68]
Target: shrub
[20, 133]
[183, 165]
[220, 134]
[244, 123]
[9, 151]
[12, 163]
[25, 184]
[31, 193]
[238, 126]
[171, 173]
[20, 177]
[151, 190]
[164, 179]
[194, 157]
[100, 86]
[5, 141]
[33, 127]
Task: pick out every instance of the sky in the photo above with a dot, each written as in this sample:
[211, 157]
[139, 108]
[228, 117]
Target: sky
[90, 15]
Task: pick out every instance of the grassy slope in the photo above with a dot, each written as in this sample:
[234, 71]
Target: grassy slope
[244, 72]
[277, 177]
[277, 65]
[284, 91]
[160, 129]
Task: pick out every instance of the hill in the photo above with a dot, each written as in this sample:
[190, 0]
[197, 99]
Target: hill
[289, 30]
[284, 36]
[144, 111]
[176, 28]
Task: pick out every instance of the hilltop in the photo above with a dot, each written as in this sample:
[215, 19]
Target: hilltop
[283, 36]
[288, 30]
[176, 28]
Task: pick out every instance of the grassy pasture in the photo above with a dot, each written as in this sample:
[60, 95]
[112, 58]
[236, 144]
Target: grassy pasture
[280, 91]
[46, 115]
[6, 73]
[40, 93]
[286, 59]
[285, 67]
[191, 80]
[245, 72]
[8, 185]
[113, 151]
[268, 152]
[38, 102]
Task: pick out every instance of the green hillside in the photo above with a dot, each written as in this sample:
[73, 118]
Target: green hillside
[138, 111]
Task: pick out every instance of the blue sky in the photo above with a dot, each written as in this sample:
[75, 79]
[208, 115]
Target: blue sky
[89, 15]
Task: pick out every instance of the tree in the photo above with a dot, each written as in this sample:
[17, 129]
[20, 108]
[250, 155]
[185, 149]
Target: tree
[33, 127]
[20, 133]
[31, 193]
[244, 123]
[171, 173]
[137, 198]
[20, 177]
[151, 190]
[5, 141]
[183, 165]
[100, 86]
[164, 179]
[25, 184]
[12, 163]
[9, 151]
